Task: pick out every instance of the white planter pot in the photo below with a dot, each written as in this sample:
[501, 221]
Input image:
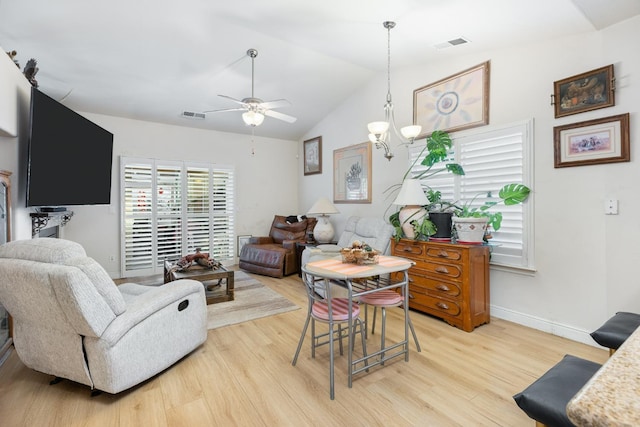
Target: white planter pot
[470, 230]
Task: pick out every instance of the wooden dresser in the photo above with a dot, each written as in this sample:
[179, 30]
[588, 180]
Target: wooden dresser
[449, 281]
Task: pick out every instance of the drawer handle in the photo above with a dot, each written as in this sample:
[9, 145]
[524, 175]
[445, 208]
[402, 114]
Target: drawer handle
[407, 249]
[442, 306]
[443, 254]
[442, 270]
[443, 288]
[411, 296]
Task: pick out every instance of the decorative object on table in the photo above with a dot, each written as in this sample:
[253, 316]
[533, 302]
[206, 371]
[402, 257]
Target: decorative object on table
[30, 71]
[412, 199]
[592, 142]
[471, 221]
[457, 102]
[359, 253]
[199, 258]
[352, 174]
[379, 132]
[313, 156]
[584, 92]
[323, 232]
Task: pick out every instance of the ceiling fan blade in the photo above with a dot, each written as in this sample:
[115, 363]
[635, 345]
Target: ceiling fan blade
[280, 116]
[233, 99]
[224, 110]
[276, 103]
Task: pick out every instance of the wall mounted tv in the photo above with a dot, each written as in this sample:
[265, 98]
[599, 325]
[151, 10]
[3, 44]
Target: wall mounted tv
[69, 157]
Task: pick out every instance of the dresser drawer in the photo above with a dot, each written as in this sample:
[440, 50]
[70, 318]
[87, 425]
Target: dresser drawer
[437, 270]
[409, 249]
[443, 253]
[433, 305]
[433, 286]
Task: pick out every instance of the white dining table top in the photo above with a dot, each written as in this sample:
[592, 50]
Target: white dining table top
[334, 268]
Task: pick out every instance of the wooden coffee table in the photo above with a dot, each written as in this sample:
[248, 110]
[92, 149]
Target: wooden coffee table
[218, 284]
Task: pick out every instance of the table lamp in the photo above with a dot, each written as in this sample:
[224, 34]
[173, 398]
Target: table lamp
[413, 199]
[323, 231]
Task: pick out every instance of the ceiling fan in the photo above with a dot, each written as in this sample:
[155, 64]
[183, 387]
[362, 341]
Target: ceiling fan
[255, 109]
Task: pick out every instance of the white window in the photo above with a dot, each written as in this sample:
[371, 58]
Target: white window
[171, 208]
[491, 157]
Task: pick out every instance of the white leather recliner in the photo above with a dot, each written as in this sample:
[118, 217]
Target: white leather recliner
[71, 320]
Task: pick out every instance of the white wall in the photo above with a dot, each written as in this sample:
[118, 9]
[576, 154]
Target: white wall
[585, 260]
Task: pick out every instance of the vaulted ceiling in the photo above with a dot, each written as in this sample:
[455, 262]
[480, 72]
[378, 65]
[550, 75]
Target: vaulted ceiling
[152, 60]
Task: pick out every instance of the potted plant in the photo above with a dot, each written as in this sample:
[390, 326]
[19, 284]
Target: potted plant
[471, 223]
[440, 214]
[437, 148]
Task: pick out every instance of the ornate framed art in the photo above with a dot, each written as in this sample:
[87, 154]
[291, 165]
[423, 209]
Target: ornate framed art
[313, 156]
[457, 102]
[584, 92]
[592, 142]
[352, 174]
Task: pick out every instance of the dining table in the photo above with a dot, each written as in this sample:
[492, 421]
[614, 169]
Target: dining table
[389, 272]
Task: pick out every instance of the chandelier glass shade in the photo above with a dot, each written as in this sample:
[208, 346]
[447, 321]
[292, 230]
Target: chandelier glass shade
[379, 132]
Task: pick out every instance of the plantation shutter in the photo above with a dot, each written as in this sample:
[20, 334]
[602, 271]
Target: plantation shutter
[198, 209]
[223, 220]
[492, 157]
[137, 222]
[168, 212]
[172, 208]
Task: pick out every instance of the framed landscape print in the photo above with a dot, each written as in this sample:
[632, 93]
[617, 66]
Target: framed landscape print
[454, 103]
[313, 156]
[584, 92]
[352, 174]
[592, 142]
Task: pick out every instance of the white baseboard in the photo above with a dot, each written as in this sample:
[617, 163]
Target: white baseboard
[544, 325]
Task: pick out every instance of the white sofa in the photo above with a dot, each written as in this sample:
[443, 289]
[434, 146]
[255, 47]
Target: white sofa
[376, 232]
[71, 320]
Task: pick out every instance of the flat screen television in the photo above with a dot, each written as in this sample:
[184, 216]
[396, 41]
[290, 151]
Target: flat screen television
[69, 159]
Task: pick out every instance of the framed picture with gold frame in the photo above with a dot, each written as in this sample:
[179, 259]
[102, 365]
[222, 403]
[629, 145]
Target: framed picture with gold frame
[584, 92]
[592, 142]
[352, 174]
[457, 102]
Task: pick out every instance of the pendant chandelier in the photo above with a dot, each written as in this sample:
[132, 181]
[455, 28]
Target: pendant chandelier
[379, 132]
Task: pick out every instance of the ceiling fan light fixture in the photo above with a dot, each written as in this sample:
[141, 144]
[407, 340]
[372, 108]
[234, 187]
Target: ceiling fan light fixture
[253, 118]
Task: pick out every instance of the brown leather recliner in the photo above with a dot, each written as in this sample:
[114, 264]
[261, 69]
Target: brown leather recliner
[275, 255]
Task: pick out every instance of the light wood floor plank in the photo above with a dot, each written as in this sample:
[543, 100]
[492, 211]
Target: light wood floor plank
[243, 376]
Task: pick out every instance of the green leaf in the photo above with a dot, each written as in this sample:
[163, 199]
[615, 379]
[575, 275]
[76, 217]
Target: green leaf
[512, 194]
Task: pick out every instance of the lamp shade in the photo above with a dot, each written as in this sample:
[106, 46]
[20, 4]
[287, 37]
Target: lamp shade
[410, 132]
[253, 118]
[411, 193]
[378, 128]
[323, 207]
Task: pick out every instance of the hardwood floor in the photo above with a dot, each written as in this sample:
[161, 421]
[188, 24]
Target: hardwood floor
[243, 376]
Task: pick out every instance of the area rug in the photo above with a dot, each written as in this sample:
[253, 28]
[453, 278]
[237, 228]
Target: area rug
[252, 301]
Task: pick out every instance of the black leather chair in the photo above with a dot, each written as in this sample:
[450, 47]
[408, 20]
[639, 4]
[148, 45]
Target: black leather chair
[546, 399]
[616, 330]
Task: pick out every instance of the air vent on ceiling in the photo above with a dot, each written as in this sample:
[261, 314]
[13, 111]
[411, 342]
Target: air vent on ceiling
[192, 115]
[455, 42]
